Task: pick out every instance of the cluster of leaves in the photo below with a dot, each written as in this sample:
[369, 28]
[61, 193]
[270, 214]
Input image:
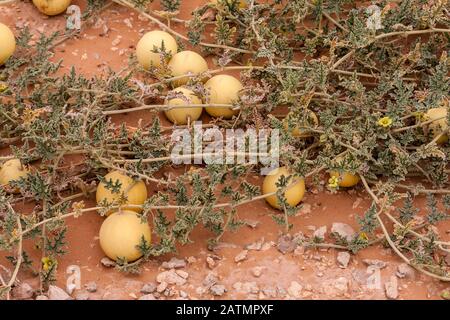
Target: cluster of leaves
[367, 83]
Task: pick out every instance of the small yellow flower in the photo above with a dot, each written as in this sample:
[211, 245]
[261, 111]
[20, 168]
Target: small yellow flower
[333, 182]
[47, 263]
[3, 87]
[385, 122]
[363, 236]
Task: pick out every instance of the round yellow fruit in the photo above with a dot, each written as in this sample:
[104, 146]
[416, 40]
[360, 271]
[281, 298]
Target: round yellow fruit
[8, 43]
[300, 131]
[121, 233]
[345, 179]
[151, 40]
[294, 192]
[51, 7]
[438, 125]
[135, 192]
[224, 89]
[12, 170]
[181, 116]
[186, 62]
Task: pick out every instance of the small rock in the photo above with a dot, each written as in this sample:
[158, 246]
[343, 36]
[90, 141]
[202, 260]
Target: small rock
[91, 286]
[174, 263]
[320, 233]
[217, 290]
[191, 260]
[107, 262]
[286, 244]
[375, 263]
[182, 274]
[257, 271]
[295, 290]
[270, 292]
[210, 262]
[148, 288]
[23, 291]
[250, 287]
[210, 279]
[341, 284]
[70, 288]
[343, 259]
[305, 209]
[300, 250]
[241, 256]
[404, 270]
[82, 295]
[41, 297]
[56, 293]
[147, 297]
[162, 287]
[172, 277]
[344, 230]
[257, 245]
[391, 288]
[251, 223]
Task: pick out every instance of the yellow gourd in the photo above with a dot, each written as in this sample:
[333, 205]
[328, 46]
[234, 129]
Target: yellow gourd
[186, 62]
[224, 89]
[51, 7]
[300, 132]
[8, 43]
[134, 191]
[294, 192]
[12, 170]
[181, 116]
[151, 40]
[439, 125]
[121, 233]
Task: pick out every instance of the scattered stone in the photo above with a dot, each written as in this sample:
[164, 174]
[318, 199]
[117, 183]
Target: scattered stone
[286, 244]
[343, 259]
[210, 262]
[182, 274]
[161, 287]
[41, 297]
[295, 290]
[107, 262]
[267, 245]
[91, 286]
[320, 233]
[241, 256]
[56, 293]
[341, 284]
[305, 209]
[147, 297]
[148, 288]
[174, 263]
[191, 260]
[23, 291]
[217, 290]
[270, 292]
[173, 277]
[300, 250]
[210, 279]
[251, 223]
[375, 263]
[183, 294]
[257, 245]
[357, 203]
[404, 270]
[344, 230]
[82, 295]
[250, 287]
[391, 288]
[257, 271]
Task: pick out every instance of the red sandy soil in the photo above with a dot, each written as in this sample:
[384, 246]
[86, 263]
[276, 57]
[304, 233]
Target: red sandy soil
[316, 270]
